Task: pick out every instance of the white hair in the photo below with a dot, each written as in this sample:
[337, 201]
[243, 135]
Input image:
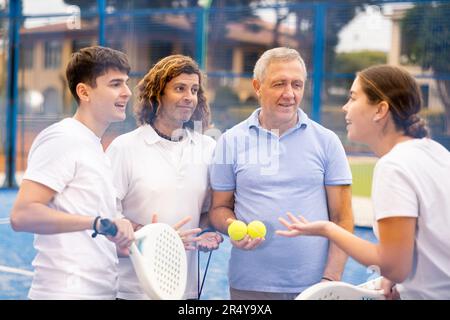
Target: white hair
[276, 54]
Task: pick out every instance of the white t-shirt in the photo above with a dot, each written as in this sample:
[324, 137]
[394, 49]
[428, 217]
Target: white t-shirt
[413, 180]
[154, 175]
[68, 158]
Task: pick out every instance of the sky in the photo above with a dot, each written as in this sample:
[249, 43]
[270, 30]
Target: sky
[369, 30]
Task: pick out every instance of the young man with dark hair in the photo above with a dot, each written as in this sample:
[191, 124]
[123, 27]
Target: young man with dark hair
[68, 186]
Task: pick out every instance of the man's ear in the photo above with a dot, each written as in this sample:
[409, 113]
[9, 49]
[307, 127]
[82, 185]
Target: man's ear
[256, 86]
[382, 111]
[82, 92]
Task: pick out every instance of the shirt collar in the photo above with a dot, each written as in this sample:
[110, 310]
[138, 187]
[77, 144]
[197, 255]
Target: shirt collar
[151, 137]
[253, 120]
[88, 131]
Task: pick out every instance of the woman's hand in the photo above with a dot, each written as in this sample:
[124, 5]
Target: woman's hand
[300, 226]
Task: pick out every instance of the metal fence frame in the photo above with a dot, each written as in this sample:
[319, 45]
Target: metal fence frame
[15, 16]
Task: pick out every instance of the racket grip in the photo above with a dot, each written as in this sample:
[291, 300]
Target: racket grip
[108, 227]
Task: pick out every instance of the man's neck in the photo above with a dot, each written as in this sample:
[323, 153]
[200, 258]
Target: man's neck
[96, 126]
[278, 127]
[168, 129]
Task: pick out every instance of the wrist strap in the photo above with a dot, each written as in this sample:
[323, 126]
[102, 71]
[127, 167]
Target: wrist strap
[326, 278]
[206, 230]
[94, 226]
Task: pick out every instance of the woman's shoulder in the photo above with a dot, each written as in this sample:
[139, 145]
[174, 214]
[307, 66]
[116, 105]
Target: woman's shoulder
[414, 153]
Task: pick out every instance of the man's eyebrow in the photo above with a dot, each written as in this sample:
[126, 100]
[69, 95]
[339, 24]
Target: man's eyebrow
[119, 80]
[184, 84]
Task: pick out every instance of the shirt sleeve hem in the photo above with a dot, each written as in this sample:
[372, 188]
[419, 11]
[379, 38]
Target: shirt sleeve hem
[44, 181]
[338, 182]
[223, 188]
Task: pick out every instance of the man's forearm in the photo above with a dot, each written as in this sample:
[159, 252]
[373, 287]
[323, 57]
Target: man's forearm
[218, 218]
[40, 219]
[337, 258]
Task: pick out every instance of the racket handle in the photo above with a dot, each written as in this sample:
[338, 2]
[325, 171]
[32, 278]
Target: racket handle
[108, 227]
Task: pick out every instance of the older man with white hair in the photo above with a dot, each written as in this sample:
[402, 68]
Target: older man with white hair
[278, 161]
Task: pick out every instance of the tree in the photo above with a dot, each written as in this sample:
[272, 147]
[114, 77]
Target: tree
[426, 42]
[337, 17]
[351, 62]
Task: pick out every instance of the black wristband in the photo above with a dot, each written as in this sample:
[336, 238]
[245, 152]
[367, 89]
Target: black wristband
[94, 226]
[326, 278]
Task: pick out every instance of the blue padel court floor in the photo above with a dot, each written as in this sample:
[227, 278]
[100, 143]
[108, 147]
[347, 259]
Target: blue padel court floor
[17, 252]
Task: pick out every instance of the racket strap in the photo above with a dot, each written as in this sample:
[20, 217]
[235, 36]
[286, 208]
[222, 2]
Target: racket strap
[200, 287]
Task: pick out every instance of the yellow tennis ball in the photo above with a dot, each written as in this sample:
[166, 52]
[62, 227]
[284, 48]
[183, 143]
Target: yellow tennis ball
[237, 230]
[256, 229]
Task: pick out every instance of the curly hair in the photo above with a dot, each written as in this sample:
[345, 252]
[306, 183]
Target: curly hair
[151, 88]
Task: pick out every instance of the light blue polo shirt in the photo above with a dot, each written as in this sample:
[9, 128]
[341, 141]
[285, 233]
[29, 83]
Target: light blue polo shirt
[270, 176]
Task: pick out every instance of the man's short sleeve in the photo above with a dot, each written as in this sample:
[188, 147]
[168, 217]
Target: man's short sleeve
[337, 168]
[52, 162]
[222, 173]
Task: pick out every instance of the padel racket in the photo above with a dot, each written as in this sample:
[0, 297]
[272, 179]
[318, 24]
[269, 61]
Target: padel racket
[159, 259]
[337, 290]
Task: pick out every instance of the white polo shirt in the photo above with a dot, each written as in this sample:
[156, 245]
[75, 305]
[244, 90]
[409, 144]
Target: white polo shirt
[68, 158]
[154, 175]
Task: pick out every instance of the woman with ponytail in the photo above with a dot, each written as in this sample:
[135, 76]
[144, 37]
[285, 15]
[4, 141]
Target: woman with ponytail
[410, 191]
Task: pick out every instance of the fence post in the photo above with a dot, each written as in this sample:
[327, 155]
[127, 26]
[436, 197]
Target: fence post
[318, 58]
[200, 38]
[101, 7]
[202, 33]
[15, 16]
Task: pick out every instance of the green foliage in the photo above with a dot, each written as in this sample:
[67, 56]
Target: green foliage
[426, 42]
[348, 63]
[426, 36]
[351, 62]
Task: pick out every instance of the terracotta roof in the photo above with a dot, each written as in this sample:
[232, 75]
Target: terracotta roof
[252, 30]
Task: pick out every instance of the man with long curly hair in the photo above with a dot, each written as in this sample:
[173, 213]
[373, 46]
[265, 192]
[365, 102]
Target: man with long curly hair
[162, 166]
